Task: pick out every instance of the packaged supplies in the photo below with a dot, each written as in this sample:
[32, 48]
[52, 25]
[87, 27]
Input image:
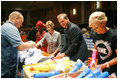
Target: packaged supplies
[84, 73]
[46, 74]
[94, 73]
[63, 65]
[103, 75]
[94, 55]
[77, 66]
[30, 56]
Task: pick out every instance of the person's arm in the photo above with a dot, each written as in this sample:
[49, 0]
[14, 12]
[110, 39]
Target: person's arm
[25, 46]
[41, 41]
[61, 53]
[116, 51]
[75, 35]
[109, 63]
[75, 40]
[56, 51]
[59, 41]
[114, 60]
[45, 42]
[94, 56]
[95, 47]
[63, 49]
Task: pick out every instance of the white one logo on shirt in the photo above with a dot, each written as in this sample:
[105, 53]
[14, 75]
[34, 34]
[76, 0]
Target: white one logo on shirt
[104, 49]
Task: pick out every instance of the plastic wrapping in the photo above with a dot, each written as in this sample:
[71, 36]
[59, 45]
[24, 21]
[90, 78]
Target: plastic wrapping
[84, 73]
[77, 66]
[46, 74]
[94, 54]
[103, 75]
[94, 73]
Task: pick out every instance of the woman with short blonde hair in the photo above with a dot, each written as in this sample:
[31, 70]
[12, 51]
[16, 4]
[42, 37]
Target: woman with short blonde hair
[50, 23]
[53, 39]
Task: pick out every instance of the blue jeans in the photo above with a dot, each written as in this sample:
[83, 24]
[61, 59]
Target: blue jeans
[11, 74]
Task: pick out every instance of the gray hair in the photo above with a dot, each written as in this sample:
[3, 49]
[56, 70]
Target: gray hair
[62, 14]
[98, 16]
[15, 14]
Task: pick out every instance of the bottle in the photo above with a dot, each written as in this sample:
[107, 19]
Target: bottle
[94, 73]
[94, 54]
[77, 66]
[84, 73]
[103, 75]
[46, 74]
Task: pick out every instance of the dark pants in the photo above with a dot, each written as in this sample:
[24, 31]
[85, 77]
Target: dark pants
[11, 74]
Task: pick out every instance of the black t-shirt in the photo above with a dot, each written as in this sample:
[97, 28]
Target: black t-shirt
[106, 45]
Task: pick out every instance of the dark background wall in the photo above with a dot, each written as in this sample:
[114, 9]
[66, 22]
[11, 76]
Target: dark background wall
[48, 10]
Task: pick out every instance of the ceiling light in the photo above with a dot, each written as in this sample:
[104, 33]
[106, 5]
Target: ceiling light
[74, 11]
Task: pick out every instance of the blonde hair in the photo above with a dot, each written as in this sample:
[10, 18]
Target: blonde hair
[15, 14]
[98, 16]
[62, 14]
[50, 23]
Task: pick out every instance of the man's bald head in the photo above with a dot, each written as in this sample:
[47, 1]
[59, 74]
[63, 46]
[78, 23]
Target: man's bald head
[15, 14]
[16, 18]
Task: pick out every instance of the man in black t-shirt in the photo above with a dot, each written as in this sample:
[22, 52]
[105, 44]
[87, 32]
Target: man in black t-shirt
[105, 41]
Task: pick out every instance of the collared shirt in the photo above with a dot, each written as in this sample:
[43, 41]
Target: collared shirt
[10, 39]
[54, 41]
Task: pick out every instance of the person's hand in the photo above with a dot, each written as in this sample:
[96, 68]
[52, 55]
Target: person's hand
[95, 66]
[37, 45]
[93, 63]
[34, 43]
[31, 42]
[53, 54]
[102, 66]
[60, 55]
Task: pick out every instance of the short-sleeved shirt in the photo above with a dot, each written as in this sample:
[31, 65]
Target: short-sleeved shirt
[106, 45]
[10, 39]
[54, 41]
